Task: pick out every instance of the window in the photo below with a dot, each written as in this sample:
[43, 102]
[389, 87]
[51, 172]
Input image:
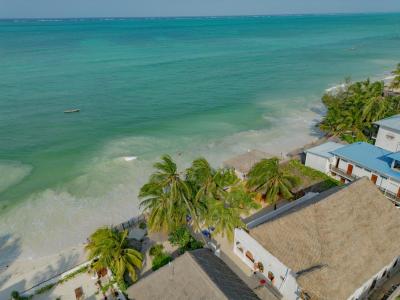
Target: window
[372, 285]
[396, 165]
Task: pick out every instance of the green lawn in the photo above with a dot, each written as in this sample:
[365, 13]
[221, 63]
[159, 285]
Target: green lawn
[311, 180]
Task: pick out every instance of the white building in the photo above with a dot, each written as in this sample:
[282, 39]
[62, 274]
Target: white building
[388, 133]
[365, 160]
[341, 244]
[320, 157]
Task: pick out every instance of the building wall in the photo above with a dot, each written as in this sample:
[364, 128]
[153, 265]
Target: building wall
[382, 182]
[317, 162]
[388, 139]
[284, 280]
[381, 277]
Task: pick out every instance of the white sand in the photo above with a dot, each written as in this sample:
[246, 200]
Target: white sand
[24, 274]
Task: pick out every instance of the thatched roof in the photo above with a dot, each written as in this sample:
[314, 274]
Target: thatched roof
[194, 275]
[244, 162]
[337, 243]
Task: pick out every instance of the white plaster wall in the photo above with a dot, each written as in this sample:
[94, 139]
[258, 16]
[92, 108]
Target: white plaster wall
[390, 185]
[317, 162]
[383, 183]
[284, 280]
[384, 142]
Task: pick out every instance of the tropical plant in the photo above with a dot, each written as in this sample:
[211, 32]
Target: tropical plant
[202, 192]
[160, 260]
[353, 109]
[109, 248]
[182, 237]
[270, 179]
[156, 250]
[396, 80]
[165, 197]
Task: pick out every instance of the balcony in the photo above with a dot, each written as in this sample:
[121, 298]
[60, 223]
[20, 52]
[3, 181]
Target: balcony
[391, 196]
[342, 173]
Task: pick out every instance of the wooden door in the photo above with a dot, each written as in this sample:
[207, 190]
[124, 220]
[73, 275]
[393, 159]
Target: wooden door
[349, 169]
[337, 163]
[374, 178]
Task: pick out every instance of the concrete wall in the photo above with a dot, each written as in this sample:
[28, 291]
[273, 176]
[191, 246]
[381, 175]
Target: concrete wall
[381, 277]
[284, 280]
[317, 162]
[388, 139]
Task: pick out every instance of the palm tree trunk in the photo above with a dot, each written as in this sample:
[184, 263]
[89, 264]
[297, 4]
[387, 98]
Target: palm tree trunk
[194, 216]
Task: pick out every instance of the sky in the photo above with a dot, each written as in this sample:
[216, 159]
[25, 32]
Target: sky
[146, 8]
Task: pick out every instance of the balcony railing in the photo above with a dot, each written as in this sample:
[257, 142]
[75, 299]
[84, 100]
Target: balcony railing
[342, 173]
[391, 196]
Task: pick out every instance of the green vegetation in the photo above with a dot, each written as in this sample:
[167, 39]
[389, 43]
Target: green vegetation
[110, 248]
[181, 237]
[45, 288]
[156, 250]
[274, 182]
[353, 109]
[209, 196]
[73, 274]
[160, 260]
[311, 175]
[396, 81]
[16, 296]
[142, 225]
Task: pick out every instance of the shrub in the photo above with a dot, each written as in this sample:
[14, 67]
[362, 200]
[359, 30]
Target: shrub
[186, 242]
[45, 288]
[142, 225]
[160, 260]
[14, 295]
[156, 250]
[180, 237]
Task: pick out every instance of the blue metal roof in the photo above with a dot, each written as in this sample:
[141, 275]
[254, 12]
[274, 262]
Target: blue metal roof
[392, 122]
[395, 156]
[324, 150]
[370, 157]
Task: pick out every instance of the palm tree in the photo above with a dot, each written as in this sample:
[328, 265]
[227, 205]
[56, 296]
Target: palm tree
[111, 248]
[396, 80]
[224, 218]
[208, 182]
[164, 213]
[268, 178]
[167, 197]
[225, 215]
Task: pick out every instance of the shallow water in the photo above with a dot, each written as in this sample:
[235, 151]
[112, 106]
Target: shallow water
[188, 87]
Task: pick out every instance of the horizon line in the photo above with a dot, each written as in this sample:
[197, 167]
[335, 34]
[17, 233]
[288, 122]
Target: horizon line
[206, 16]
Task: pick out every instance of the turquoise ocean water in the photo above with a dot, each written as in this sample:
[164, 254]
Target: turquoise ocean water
[184, 86]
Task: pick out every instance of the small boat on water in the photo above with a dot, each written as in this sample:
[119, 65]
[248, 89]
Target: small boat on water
[71, 111]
